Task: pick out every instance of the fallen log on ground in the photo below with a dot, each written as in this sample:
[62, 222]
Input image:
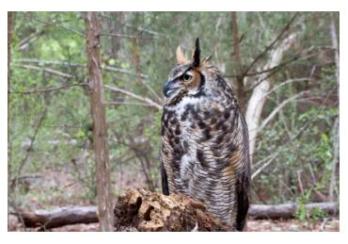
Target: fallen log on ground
[288, 210]
[48, 219]
[149, 211]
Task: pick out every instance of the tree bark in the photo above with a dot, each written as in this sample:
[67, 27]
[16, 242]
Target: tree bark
[335, 130]
[10, 24]
[58, 217]
[259, 94]
[238, 69]
[288, 210]
[99, 123]
[335, 46]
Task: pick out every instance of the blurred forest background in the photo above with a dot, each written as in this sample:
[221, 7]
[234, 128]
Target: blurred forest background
[283, 66]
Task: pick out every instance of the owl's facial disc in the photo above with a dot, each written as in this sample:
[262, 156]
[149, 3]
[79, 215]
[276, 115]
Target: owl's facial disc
[187, 83]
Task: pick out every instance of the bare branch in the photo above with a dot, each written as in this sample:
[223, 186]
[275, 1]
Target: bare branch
[31, 145]
[118, 35]
[136, 60]
[335, 159]
[270, 46]
[127, 103]
[289, 81]
[48, 89]
[116, 69]
[133, 95]
[259, 170]
[48, 70]
[41, 62]
[278, 108]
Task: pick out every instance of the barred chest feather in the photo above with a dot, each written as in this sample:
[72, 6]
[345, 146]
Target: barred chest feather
[201, 141]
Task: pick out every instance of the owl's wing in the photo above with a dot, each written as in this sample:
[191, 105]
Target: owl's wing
[165, 188]
[242, 193]
[243, 180]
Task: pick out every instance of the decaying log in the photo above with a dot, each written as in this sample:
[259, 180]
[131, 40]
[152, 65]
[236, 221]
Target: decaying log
[140, 210]
[148, 211]
[47, 219]
[288, 210]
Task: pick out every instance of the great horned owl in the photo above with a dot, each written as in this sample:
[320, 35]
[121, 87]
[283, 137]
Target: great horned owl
[204, 151]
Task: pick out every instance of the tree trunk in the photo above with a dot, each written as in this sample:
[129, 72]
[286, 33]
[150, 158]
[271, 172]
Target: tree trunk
[99, 123]
[10, 24]
[238, 69]
[335, 130]
[259, 94]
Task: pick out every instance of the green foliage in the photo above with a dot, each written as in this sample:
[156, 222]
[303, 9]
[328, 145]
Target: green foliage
[303, 214]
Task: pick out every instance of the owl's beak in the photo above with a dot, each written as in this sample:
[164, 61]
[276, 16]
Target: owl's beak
[169, 88]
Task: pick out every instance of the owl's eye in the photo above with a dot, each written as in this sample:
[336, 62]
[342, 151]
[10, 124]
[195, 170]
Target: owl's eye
[187, 77]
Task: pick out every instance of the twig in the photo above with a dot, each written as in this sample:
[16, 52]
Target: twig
[115, 69]
[131, 94]
[48, 70]
[47, 89]
[278, 108]
[256, 59]
[31, 145]
[127, 103]
[136, 62]
[300, 185]
[288, 82]
[335, 159]
[259, 170]
[275, 68]
[267, 70]
[118, 35]
[322, 226]
[264, 159]
[283, 119]
[68, 64]
[303, 54]
[41, 62]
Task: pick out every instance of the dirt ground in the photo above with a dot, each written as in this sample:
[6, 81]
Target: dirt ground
[57, 189]
[326, 225]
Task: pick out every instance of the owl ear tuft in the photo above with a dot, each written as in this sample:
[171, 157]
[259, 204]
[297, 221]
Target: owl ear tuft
[196, 55]
[180, 56]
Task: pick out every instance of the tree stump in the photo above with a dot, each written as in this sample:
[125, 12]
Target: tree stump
[141, 210]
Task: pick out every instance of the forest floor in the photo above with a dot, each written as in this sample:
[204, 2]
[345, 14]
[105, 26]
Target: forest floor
[58, 189]
[327, 225]
[253, 226]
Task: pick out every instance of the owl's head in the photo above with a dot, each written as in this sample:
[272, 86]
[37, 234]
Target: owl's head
[190, 77]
